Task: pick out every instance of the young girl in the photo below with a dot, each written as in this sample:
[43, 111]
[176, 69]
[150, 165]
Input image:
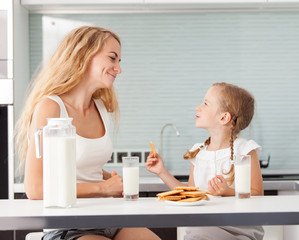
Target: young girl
[225, 111]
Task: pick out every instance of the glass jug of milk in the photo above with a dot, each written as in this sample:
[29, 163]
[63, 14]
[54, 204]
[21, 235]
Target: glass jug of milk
[59, 162]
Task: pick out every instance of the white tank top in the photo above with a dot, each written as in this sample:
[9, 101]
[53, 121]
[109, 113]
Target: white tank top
[91, 154]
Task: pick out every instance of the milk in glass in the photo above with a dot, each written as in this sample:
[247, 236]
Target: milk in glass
[242, 176]
[131, 178]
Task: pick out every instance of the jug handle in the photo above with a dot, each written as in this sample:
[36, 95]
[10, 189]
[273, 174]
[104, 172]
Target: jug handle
[37, 138]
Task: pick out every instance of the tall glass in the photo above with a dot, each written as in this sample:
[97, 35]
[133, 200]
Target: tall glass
[131, 177]
[242, 176]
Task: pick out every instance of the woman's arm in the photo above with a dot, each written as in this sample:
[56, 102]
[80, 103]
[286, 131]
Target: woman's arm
[106, 175]
[33, 180]
[112, 187]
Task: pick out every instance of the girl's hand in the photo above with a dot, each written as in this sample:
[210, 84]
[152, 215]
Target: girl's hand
[154, 164]
[114, 185]
[218, 186]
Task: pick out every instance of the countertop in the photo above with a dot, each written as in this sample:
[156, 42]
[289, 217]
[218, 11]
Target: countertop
[186, 171]
[148, 212]
[274, 179]
[155, 184]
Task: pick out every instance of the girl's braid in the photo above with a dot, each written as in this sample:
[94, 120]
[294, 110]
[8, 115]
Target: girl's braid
[191, 155]
[231, 171]
[234, 121]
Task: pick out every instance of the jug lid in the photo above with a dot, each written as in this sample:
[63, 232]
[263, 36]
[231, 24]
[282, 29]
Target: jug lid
[59, 121]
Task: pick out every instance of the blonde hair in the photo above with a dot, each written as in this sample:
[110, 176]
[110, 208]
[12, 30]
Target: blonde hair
[65, 69]
[240, 104]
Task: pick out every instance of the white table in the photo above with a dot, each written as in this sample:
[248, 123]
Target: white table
[148, 212]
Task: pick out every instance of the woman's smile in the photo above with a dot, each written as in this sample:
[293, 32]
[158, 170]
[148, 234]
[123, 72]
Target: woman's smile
[112, 75]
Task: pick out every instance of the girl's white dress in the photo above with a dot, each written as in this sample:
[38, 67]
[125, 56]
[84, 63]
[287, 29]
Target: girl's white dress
[207, 164]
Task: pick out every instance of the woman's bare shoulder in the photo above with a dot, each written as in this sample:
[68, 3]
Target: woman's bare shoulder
[46, 108]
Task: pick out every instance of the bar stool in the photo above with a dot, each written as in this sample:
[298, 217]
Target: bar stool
[34, 236]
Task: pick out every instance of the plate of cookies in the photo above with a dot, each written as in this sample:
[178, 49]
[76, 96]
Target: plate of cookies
[184, 196]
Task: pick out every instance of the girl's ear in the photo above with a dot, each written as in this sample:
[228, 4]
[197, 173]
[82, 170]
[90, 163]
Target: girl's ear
[226, 118]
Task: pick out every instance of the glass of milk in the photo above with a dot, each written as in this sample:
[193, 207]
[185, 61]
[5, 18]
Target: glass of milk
[242, 176]
[131, 177]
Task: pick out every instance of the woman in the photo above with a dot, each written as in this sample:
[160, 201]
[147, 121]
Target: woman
[78, 83]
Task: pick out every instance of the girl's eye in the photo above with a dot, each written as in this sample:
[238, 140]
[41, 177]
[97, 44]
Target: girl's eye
[205, 104]
[112, 58]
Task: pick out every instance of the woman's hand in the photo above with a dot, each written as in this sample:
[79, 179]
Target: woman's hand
[113, 186]
[218, 187]
[154, 164]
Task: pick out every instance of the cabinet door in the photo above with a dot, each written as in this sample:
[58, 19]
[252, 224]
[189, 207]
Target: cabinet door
[203, 1]
[3, 35]
[283, 1]
[6, 91]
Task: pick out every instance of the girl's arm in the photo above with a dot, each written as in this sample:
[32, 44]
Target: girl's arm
[33, 181]
[218, 185]
[191, 177]
[257, 188]
[156, 165]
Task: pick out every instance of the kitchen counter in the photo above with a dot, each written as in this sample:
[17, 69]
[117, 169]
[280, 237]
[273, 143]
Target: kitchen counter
[274, 179]
[148, 212]
[185, 172]
[155, 184]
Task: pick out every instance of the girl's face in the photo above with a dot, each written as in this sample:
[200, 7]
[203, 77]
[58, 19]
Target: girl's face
[104, 66]
[208, 113]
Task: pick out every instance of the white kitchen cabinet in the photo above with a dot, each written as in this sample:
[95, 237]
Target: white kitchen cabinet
[284, 4]
[89, 6]
[6, 36]
[205, 5]
[203, 1]
[283, 1]
[6, 96]
[68, 2]
[80, 6]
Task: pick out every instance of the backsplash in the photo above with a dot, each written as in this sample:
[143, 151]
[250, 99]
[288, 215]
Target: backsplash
[169, 60]
[117, 155]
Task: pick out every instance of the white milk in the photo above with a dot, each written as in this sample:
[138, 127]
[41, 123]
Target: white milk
[59, 171]
[242, 178]
[131, 180]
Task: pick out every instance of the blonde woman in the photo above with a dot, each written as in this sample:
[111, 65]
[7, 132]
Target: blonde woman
[78, 83]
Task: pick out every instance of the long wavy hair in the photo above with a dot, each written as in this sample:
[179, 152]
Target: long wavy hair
[240, 104]
[65, 69]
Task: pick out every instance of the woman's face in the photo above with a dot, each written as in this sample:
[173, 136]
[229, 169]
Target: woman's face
[104, 66]
[208, 113]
